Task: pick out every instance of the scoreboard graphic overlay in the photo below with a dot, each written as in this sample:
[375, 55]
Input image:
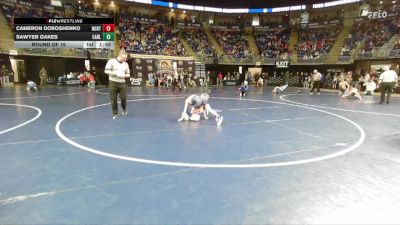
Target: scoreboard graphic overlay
[64, 33]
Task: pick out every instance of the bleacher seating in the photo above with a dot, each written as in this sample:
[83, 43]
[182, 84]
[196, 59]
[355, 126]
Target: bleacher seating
[356, 35]
[233, 42]
[13, 10]
[377, 32]
[199, 42]
[272, 43]
[317, 42]
[149, 38]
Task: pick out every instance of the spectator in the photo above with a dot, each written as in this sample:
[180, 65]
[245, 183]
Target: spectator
[219, 78]
[370, 87]
[43, 76]
[4, 80]
[91, 81]
[397, 45]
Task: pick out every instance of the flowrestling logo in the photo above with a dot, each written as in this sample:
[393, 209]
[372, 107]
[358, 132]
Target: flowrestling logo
[373, 15]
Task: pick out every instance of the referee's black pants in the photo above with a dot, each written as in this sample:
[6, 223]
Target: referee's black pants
[115, 90]
[316, 84]
[386, 87]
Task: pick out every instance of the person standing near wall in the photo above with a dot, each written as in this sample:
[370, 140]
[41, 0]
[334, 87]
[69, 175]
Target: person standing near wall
[207, 79]
[219, 79]
[117, 70]
[3, 76]
[387, 80]
[96, 77]
[43, 76]
[286, 78]
[356, 80]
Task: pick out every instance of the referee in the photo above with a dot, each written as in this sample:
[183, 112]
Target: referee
[316, 77]
[117, 70]
[387, 81]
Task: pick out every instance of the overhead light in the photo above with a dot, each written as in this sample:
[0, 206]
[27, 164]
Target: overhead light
[172, 10]
[393, 2]
[380, 2]
[184, 11]
[112, 2]
[79, 2]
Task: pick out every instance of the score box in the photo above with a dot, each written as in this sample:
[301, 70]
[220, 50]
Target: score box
[108, 27]
[108, 36]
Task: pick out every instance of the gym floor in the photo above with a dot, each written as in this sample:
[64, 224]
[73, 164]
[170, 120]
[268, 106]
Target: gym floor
[291, 158]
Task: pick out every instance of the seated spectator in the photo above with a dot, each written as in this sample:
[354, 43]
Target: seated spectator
[345, 51]
[397, 45]
[370, 87]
